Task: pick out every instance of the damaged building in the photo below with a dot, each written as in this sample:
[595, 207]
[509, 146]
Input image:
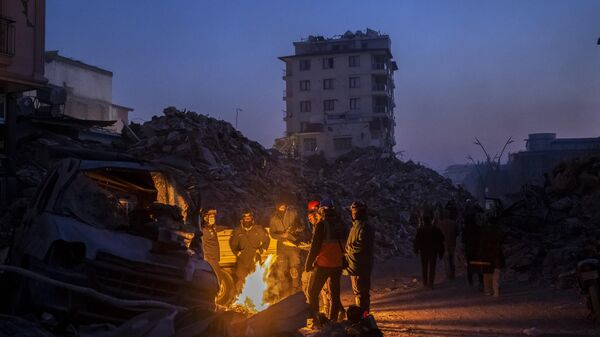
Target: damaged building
[339, 94]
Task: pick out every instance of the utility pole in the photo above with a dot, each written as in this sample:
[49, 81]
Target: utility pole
[237, 111]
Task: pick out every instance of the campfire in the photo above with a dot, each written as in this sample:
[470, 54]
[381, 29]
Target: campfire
[252, 297]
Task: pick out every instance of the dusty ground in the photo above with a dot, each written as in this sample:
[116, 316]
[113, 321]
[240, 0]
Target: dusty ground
[403, 308]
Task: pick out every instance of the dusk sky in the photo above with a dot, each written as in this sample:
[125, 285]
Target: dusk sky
[490, 69]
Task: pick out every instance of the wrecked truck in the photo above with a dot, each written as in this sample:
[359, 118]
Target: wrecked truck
[113, 229]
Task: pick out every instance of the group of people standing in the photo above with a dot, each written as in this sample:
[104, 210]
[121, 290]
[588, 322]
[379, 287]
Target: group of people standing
[438, 229]
[320, 246]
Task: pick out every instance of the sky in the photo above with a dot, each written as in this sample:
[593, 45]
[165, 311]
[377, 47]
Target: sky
[481, 68]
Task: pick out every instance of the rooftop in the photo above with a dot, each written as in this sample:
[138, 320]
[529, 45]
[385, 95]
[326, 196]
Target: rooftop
[52, 55]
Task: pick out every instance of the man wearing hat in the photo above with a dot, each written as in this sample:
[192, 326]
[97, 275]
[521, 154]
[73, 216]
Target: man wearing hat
[359, 255]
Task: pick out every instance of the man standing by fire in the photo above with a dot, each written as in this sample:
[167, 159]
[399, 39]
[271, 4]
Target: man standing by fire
[247, 242]
[289, 230]
[210, 240]
[326, 259]
[359, 254]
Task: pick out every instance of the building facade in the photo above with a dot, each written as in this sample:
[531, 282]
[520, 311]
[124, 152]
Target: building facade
[339, 94]
[88, 88]
[22, 35]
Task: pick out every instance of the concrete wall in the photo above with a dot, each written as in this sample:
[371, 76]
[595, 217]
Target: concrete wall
[80, 81]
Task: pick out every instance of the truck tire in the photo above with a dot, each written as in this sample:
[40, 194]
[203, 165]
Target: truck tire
[226, 288]
[594, 292]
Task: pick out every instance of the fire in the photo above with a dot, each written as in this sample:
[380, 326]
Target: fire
[255, 286]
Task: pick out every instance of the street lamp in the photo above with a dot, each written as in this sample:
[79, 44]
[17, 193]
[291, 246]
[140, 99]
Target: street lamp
[237, 111]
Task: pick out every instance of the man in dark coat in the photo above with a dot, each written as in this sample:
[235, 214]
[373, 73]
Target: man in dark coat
[247, 242]
[471, 233]
[491, 252]
[359, 255]
[326, 259]
[449, 227]
[210, 239]
[429, 243]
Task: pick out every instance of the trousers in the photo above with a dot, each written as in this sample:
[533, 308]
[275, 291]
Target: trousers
[317, 280]
[361, 285]
[428, 269]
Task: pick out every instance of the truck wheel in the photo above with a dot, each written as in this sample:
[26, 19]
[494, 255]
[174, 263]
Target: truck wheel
[595, 301]
[226, 288]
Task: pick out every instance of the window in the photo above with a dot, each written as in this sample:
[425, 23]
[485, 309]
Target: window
[329, 105]
[354, 82]
[354, 103]
[304, 65]
[328, 84]
[310, 144]
[304, 106]
[305, 85]
[354, 61]
[328, 63]
[342, 143]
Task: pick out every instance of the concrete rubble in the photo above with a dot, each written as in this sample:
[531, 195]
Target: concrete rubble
[549, 229]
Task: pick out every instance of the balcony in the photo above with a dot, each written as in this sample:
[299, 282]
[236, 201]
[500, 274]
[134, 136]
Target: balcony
[7, 36]
[379, 87]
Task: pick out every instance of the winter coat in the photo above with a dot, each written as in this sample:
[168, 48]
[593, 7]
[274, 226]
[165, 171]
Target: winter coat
[248, 244]
[450, 230]
[326, 249]
[470, 236]
[287, 222]
[210, 244]
[360, 248]
[429, 241]
[490, 246]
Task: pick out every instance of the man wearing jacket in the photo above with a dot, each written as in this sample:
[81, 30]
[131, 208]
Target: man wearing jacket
[429, 243]
[287, 228]
[359, 255]
[247, 242]
[325, 258]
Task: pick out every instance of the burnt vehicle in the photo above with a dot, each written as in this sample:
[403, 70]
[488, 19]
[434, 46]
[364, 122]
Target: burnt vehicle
[119, 228]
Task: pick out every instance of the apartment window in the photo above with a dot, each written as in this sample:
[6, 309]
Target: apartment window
[305, 106]
[305, 85]
[304, 65]
[328, 84]
[328, 63]
[354, 61]
[342, 143]
[354, 82]
[329, 105]
[354, 103]
[309, 144]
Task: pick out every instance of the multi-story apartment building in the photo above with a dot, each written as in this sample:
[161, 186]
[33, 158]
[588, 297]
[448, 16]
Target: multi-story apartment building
[22, 35]
[339, 94]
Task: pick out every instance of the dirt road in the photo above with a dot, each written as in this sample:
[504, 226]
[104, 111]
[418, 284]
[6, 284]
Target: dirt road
[403, 308]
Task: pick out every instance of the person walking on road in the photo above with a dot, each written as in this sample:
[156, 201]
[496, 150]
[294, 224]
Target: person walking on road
[359, 255]
[449, 227]
[429, 244]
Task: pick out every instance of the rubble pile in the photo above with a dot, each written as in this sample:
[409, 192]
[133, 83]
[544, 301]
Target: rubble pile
[551, 228]
[390, 187]
[232, 172]
[224, 169]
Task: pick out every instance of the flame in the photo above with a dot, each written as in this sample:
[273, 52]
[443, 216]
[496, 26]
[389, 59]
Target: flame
[255, 287]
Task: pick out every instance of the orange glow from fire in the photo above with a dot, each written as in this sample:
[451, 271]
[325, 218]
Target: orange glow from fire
[255, 287]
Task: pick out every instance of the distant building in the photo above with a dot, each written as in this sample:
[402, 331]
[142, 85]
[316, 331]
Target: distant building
[339, 94]
[89, 90]
[543, 152]
[22, 36]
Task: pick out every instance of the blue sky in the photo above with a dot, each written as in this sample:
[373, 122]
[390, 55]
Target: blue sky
[490, 69]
